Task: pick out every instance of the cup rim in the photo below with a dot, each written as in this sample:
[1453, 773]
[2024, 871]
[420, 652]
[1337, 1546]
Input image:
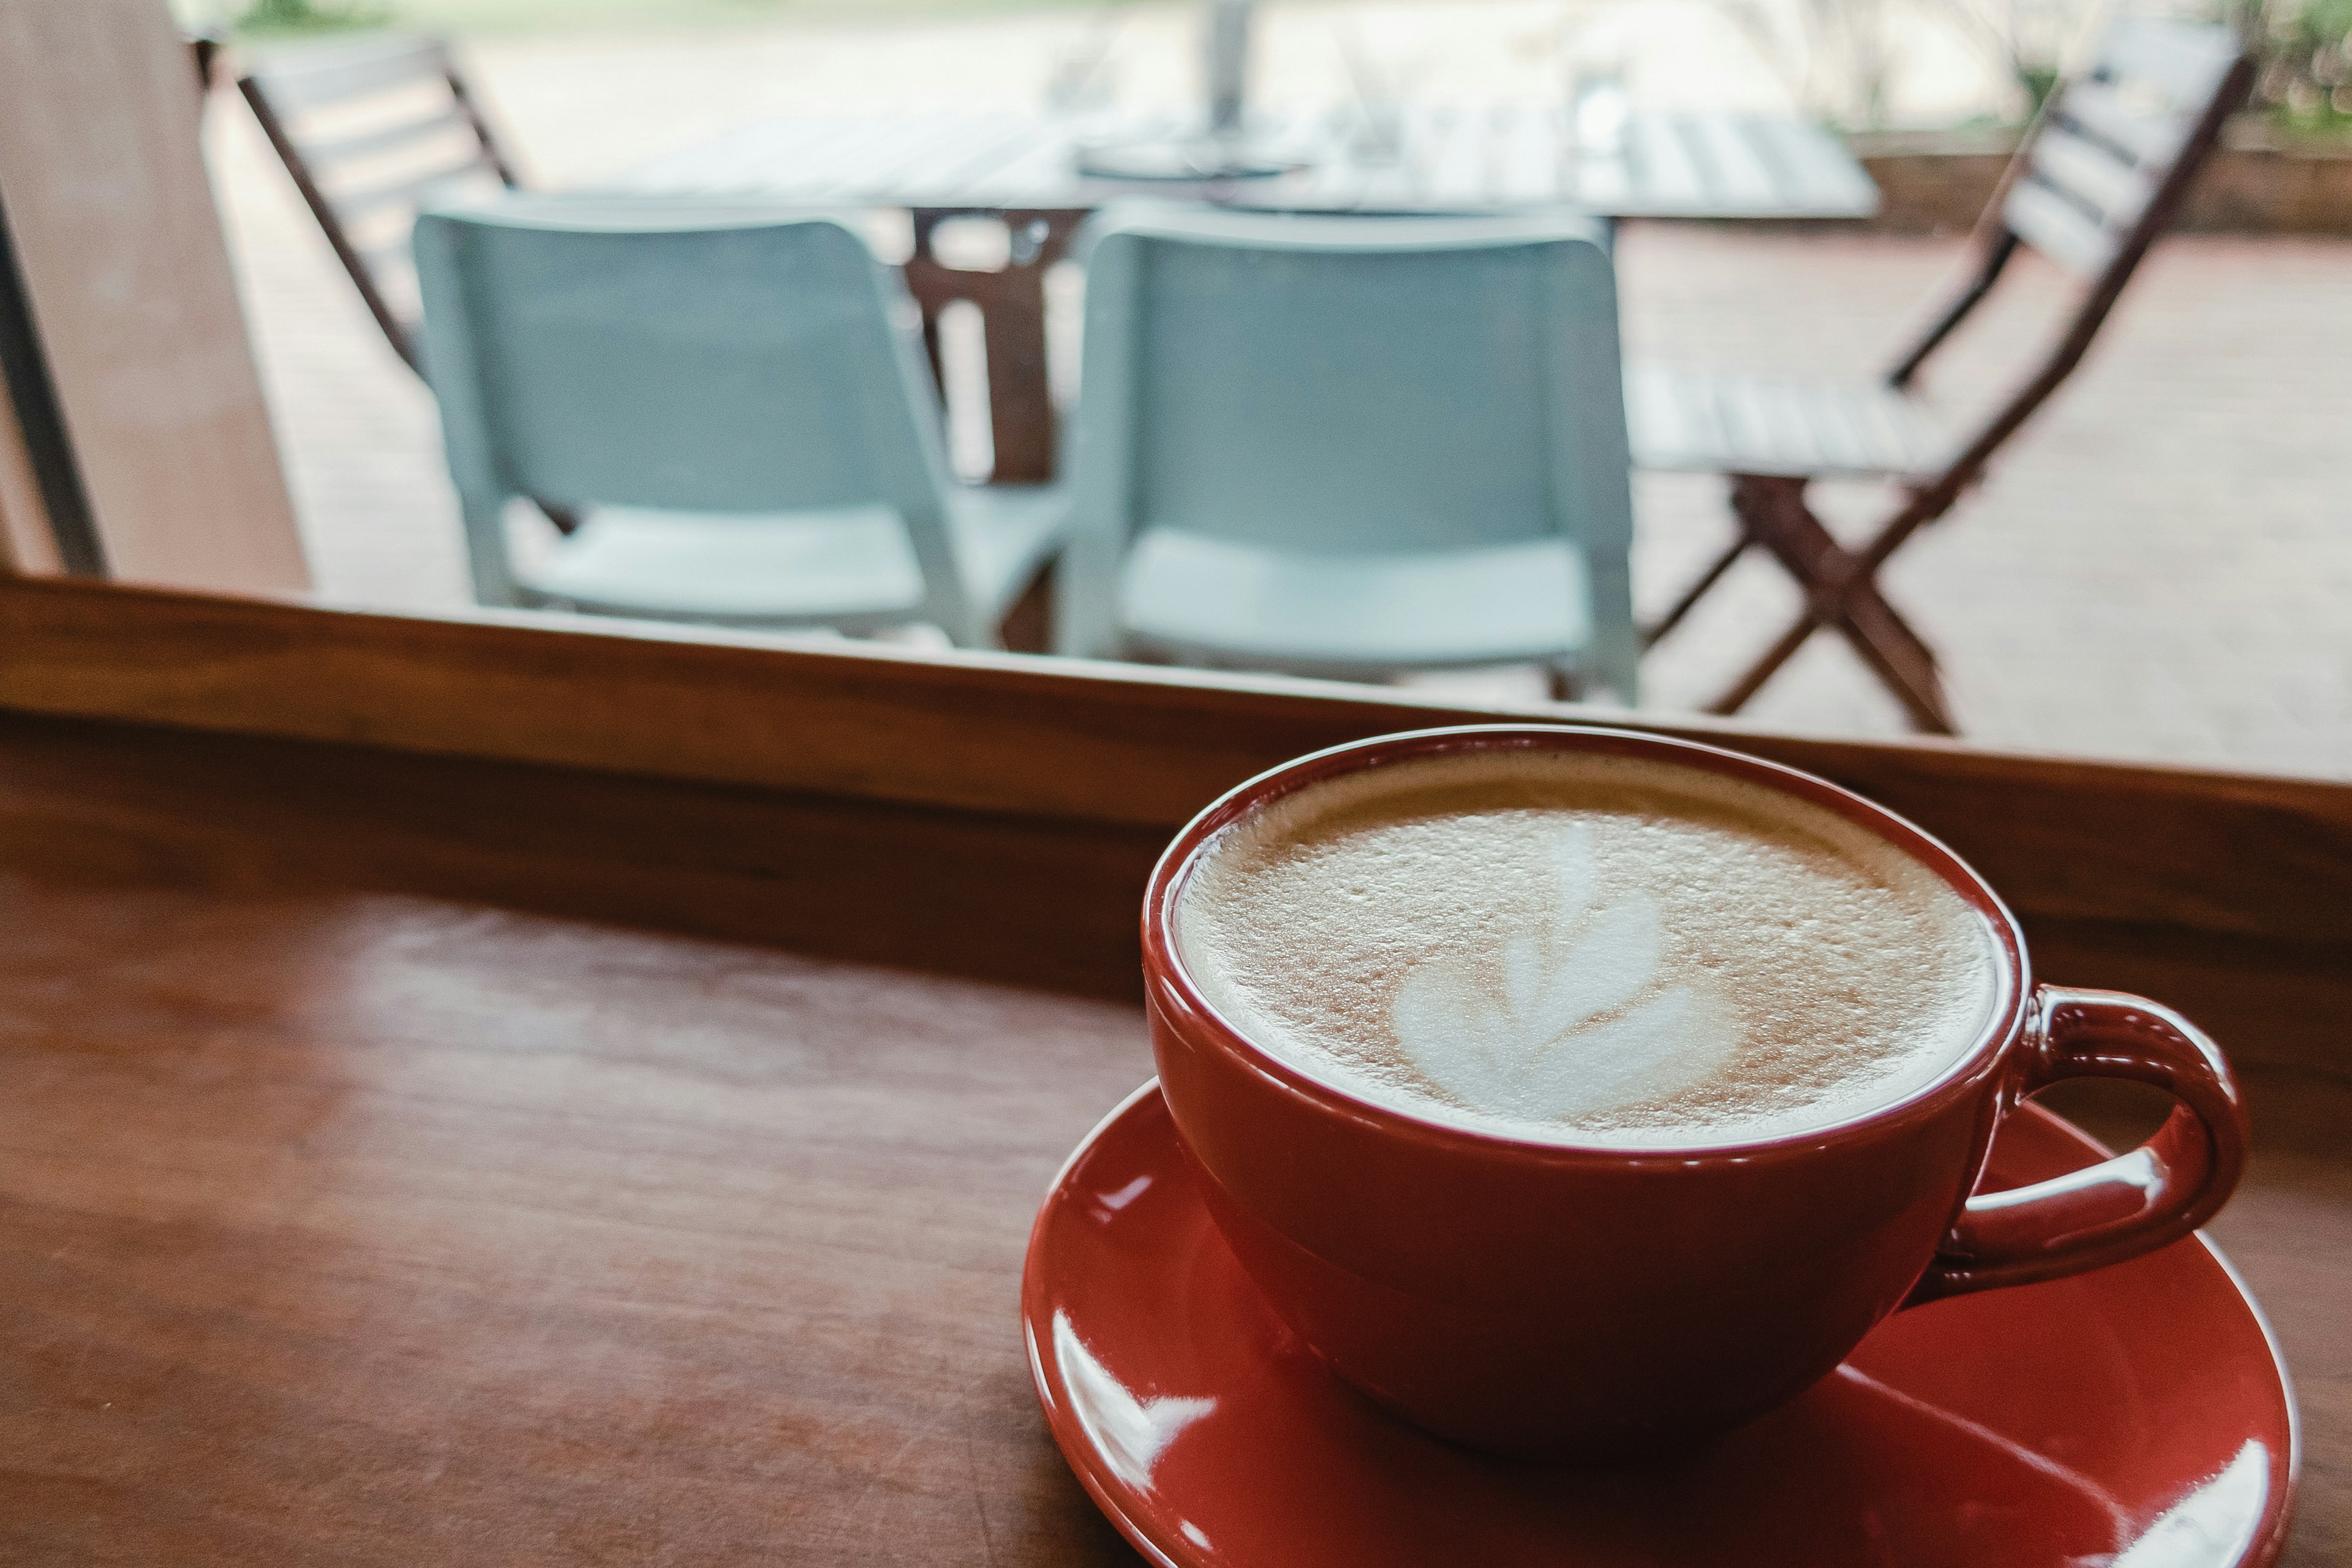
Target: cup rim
[1172, 990]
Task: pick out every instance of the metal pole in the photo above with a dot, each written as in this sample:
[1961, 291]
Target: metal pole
[1226, 39]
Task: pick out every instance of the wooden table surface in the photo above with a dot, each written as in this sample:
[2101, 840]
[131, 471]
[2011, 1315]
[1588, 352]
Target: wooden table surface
[347, 1224]
[610, 1145]
[1447, 157]
[368, 1208]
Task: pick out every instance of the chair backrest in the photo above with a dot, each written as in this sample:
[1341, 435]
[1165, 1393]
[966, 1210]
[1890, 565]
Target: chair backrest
[2101, 176]
[1351, 385]
[2152, 100]
[639, 354]
[642, 354]
[369, 129]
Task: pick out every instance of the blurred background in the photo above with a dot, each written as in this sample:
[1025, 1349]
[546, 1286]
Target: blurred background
[2158, 566]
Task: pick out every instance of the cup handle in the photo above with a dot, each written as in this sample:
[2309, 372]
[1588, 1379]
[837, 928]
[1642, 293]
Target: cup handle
[2122, 1207]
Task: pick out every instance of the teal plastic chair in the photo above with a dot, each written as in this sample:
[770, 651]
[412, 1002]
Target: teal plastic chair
[733, 403]
[1350, 446]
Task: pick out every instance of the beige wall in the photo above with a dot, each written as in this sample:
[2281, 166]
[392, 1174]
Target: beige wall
[26, 543]
[121, 252]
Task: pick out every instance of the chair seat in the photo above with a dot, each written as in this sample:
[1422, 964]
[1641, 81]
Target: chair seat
[854, 568]
[1696, 421]
[1196, 597]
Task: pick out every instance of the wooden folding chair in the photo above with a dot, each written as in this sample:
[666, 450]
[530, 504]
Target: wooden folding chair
[368, 131]
[2099, 177]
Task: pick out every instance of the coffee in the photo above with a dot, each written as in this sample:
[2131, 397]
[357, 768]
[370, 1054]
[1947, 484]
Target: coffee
[1586, 947]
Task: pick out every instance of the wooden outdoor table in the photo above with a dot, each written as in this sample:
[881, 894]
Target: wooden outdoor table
[481, 1092]
[1447, 159]
[1504, 158]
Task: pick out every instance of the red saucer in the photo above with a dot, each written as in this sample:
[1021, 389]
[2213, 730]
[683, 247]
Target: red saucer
[2134, 1418]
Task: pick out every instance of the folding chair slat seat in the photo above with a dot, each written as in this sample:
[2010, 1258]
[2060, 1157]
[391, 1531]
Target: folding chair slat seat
[407, 192]
[384, 253]
[305, 80]
[326, 152]
[2093, 186]
[1693, 422]
[2182, 61]
[2060, 229]
[2075, 165]
[2100, 111]
[299, 94]
[734, 406]
[1350, 446]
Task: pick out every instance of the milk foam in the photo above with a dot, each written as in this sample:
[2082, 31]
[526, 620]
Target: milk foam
[1591, 948]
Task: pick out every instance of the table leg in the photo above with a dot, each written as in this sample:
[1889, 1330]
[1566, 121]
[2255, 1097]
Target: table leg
[1020, 391]
[1012, 308]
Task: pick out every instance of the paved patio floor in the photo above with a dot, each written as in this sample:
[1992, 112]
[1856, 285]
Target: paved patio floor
[2161, 567]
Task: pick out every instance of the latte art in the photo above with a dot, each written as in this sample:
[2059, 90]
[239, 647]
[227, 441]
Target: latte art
[1572, 1017]
[1587, 947]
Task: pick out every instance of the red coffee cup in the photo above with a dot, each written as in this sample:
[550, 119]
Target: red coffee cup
[1521, 1296]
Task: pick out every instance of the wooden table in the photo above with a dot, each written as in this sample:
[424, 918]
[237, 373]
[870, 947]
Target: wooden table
[1445, 160]
[474, 1092]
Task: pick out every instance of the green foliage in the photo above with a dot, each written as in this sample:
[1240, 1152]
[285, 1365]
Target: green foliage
[2038, 81]
[476, 17]
[310, 16]
[2306, 47]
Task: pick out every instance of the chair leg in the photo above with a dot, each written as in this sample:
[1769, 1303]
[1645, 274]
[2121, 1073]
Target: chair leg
[1902, 660]
[1843, 591]
[1743, 691]
[1028, 623]
[1772, 513]
[1903, 663]
[1696, 591]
